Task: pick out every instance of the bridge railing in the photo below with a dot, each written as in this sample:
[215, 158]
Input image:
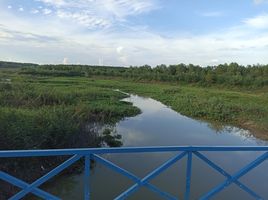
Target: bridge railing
[96, 155]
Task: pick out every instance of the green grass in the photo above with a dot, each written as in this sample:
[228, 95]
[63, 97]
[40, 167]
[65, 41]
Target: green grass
[53, 112]
[246, 109]
[32, 105]
[94, 99]
[43, 113]
[38, 113]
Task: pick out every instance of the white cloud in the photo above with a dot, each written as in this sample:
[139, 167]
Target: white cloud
[123, 60]
[20, 39]
[21, 9]
[34, 11]
[46, 11]
[122, 56]
[260, 21]
[260, 1]
[214, 61]
[65, 61]
[212, 14]
[24, 37]
[119, 49]
[57, 3]
[84, 18]
[101, 13]
[4, 35]
[123, 8]
[9, 6]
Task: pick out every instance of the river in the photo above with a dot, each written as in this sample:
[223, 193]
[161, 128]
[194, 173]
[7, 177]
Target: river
[160, 125]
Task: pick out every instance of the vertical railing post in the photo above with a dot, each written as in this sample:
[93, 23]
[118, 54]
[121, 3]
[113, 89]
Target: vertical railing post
[87, 178]
[188, 176]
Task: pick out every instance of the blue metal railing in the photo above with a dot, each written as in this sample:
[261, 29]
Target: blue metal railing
[95, 154]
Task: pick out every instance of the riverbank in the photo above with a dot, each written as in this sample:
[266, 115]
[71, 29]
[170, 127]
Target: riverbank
[36, 113]
[237, 106]
[246, 109]
[230, 94]
[159, 125]
[36, 108]
[41, 112]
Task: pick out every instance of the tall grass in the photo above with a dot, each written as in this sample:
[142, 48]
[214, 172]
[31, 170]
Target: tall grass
[245, 108]
[42, 114]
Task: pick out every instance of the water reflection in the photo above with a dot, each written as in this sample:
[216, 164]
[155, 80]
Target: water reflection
[159, 125]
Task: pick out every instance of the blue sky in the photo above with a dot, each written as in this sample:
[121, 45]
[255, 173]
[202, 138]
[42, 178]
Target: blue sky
[134, 32]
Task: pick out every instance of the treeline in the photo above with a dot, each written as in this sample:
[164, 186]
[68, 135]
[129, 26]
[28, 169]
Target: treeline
[4, 64]
[231, 74]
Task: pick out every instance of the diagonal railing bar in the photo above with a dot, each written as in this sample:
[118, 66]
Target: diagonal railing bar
[188, 176]
[236, 176]
[227, 175]
[21, 184]
[131, 176]
[116, 168]
[151, 175]
[163, 194]
[46, 177]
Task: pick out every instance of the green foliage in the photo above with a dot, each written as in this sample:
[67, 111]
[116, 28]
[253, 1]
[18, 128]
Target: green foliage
[45, 115]
[50, 113]
[241, 107]
[191, 95]
[51, 106]
[232, 74]
[15, 65]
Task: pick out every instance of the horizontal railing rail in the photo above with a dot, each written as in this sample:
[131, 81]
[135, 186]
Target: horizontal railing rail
[89, 154]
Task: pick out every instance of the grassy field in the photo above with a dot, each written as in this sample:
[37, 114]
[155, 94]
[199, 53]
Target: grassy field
[229, 106]
[32, 108]
[40, 112]
[83, 99]
[246, 109]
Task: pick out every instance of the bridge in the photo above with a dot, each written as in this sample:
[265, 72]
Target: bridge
[96, 154]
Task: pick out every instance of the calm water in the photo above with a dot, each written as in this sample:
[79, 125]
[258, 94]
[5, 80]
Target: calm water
[160, 125]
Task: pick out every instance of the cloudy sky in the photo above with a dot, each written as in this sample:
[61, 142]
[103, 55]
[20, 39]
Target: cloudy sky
[134, 32]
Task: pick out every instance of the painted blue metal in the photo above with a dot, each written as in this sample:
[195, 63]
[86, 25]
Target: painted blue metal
[224, 173]
[188, 176]
[46, 177]
[151, 175]
[131, 176]
[21, 184]
[62, 152]
[95, 154]
[87, 178]
[236, 176]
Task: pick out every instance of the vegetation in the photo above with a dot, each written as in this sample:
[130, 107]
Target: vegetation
[36, 113]
[245, 109]
[11, 65]
[59, 106]
[228, 93]
[238, 106]
[232, 75]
